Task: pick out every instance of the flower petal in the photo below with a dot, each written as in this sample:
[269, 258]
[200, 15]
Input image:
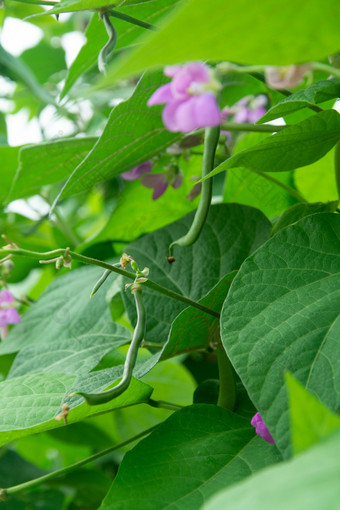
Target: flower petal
[207, 111]
[169, 116]
[161, 95]
[137, 171]
[12, 316]
[186, 115]
[6, 297]
[157, 182]
[261, 429]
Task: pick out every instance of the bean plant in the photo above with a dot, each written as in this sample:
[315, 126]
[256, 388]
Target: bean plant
[170, 257]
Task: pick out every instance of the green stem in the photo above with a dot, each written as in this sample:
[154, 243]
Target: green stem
[337, 166]
[259, 128]
[130, 19]
[164, 405]
[290, 190]
[61, 472]
[319, 66]
[94, 262]
[227, 392]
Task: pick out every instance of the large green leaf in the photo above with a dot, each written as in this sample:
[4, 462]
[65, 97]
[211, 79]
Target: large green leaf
[29, 403]
[316, 182]
[193, 330]
[230, 234]
[308, 481]
[282, 313]
[196, 452]
[65, 313]
[48, 163]
[311, 421]
[298, 211]
[295, 146]
[8, 165]
[82, 5]
[127, 34]
[213, 31]
[261, 191]
[133, 134]
[317, 93]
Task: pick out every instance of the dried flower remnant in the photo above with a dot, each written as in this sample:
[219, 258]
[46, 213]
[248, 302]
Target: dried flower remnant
[261, 428]
[287, 77]
[8, 314]
[189, 98]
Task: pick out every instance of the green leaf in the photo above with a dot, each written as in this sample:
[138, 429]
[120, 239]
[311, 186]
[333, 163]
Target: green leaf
[195, 32]
[317, 93]
[9, 164]
[309, 480]
[133, 134]
[172, 382]
[127, 34]
[230, 234]
[192, 330]
[16, 69]
[28, 404]
[282, 313]
[316, 182]
[298, 211]
[250, 188]
[192, 455]
[82, 5]
[48, 163]
[65, 313]
[295, 146]
[311, 421]
[44, 60]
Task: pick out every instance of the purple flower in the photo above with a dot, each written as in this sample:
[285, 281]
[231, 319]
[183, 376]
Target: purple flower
[160, 182]
[261, 429]
[8, 314]
[189, 98]
[248, 109]
[137, 171]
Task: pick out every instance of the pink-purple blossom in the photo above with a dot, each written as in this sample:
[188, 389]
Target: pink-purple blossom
[189, 98]
[160, 182]
[137, 171]
[8, 314]
[261, 428]
[248, 109]
[285, 77]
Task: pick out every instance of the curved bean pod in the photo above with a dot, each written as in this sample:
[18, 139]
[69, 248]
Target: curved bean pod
[94, 399]
[109, 46]
[210, 144]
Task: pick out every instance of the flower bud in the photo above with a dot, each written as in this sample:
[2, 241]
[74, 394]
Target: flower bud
[124, 260]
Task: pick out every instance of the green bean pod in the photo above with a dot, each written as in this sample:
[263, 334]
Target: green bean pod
[210, 144]
[94, 399]
[109, 46]
[100, 282]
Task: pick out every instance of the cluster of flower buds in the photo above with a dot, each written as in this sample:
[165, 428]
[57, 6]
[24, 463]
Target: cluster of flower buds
[141, 276]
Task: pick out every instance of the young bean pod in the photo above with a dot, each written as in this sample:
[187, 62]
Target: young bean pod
[210, 144]
[94, 399]
[109, 46]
